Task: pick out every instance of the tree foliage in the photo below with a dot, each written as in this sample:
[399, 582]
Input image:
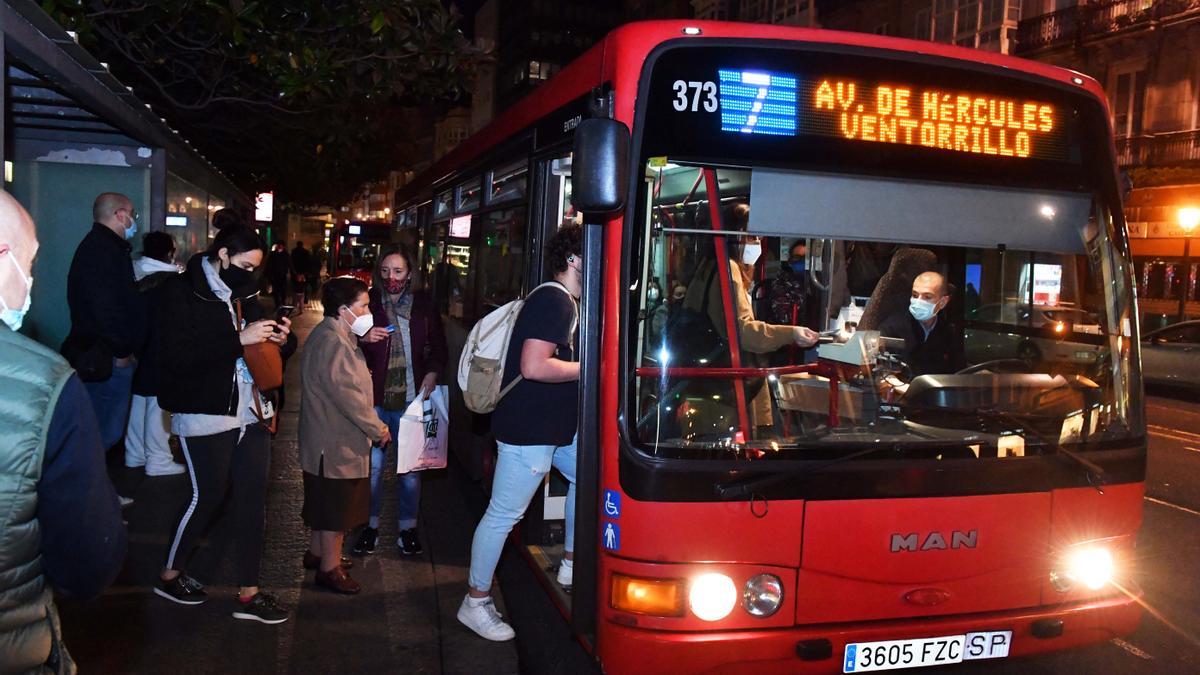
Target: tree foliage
[311, 97]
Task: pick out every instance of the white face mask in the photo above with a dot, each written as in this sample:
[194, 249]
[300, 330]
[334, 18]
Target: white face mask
[15, 317]
[750, 253]
[362, 324]
[922, 310]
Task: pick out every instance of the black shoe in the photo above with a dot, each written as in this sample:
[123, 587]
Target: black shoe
[409, 542]
[262, 607]
[182, 589]
[366, 542]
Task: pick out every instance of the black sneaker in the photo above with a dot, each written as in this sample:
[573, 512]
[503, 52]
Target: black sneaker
[262, 607]
[409, 542]
[366, 542]
[182, 589]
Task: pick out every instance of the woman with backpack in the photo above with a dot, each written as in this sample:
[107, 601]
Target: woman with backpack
[210, 316]
[406, 354]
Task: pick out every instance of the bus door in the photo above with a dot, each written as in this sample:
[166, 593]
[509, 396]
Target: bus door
[543, 530]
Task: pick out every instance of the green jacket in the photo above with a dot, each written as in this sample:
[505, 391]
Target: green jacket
[31, 379]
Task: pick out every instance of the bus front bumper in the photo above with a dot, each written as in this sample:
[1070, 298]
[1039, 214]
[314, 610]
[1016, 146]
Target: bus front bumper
[626, 649]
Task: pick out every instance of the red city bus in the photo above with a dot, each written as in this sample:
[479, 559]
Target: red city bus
[354, 246]
[907, 493]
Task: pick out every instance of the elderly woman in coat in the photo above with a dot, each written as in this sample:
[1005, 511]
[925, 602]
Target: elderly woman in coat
[338, 424]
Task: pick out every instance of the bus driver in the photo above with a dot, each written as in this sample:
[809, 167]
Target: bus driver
[928, 339]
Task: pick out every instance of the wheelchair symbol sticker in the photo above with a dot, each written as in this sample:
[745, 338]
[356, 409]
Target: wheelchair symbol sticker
[612, 503]
[612, 537]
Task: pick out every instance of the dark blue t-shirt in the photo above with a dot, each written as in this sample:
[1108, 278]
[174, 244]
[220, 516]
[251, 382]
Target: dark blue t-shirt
[540, 413]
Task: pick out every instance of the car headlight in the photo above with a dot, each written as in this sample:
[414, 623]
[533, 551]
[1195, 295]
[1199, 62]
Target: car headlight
[763, 595]
[712, 596]
[1091, 566]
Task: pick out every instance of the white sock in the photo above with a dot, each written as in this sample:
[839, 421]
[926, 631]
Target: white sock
[568, 563]
[373, 522]
[473, 601]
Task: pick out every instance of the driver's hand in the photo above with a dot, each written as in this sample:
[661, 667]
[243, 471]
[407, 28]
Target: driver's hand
[805, 336]
[892, 388]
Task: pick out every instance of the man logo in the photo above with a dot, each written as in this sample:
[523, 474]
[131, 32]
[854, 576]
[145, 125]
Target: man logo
[934, 541]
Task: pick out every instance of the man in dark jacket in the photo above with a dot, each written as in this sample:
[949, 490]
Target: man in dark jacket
[51, 465]
[108, 320]
[928, 338]
[301, 263]
[279, 272]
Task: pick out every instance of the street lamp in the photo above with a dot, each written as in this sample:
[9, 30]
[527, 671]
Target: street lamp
[1189, 218]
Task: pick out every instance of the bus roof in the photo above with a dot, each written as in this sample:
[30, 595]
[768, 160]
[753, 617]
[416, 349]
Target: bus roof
[620, 56]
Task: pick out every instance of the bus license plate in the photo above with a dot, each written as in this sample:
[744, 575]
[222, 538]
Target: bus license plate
[894, 654]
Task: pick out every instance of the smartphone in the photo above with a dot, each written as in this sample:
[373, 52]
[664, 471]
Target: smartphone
[284, 310]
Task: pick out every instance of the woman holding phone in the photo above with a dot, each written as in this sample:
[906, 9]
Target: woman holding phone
[406, 353]
[218, 413]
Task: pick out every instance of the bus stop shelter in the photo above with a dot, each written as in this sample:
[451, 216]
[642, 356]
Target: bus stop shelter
[71, 130]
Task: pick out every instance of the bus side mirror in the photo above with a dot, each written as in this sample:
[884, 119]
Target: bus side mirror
[599, 166]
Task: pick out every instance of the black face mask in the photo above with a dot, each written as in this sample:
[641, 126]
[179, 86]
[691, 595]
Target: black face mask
[236, 278]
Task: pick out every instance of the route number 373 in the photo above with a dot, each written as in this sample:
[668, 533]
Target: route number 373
[693, 95]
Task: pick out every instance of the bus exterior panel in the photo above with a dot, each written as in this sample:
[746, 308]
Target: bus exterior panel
[984, 556]
[631, 649]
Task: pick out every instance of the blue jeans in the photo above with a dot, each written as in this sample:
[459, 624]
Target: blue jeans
[520, 470]
[110, 400]
[408, 486]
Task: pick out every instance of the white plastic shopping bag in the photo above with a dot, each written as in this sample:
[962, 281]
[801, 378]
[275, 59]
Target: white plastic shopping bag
[421, 438]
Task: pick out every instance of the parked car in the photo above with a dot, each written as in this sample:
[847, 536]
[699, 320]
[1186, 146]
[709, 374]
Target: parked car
[988, 336]
[1171, 355]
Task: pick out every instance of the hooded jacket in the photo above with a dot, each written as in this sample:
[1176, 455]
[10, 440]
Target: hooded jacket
[198, 347]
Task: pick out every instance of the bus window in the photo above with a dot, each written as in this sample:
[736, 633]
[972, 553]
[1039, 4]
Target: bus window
[499, 259]
[468, 196]
[1043, 338]
[442, 205]
[508, 182]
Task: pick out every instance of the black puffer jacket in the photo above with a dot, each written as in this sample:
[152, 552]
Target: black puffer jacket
[198, 346]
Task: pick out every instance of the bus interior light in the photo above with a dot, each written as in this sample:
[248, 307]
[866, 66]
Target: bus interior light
[655, 597]
[712, 596]
[763, 595]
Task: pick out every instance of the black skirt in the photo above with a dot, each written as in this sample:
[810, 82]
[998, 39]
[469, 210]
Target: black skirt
[335, 504]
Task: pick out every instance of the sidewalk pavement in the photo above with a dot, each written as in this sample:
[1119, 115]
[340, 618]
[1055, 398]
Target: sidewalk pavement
[403, 621]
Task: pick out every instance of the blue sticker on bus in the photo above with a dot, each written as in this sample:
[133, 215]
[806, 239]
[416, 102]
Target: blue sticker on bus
[851, 657]
[612, 537]
[612, 503]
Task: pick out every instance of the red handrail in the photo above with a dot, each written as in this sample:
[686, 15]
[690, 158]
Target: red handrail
[732, 334]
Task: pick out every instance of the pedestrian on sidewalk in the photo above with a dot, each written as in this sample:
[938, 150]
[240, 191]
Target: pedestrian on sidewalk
[279, 272]
[59, 518]
[338, 424]
[406, 353]
[148, 433]
[301, 262]
[108, 321]
[534, 424]
[216, 412]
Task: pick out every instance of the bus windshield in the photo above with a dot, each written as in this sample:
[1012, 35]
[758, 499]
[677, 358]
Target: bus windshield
[968, 320]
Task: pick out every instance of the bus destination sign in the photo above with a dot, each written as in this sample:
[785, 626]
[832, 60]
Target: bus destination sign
[784, 104]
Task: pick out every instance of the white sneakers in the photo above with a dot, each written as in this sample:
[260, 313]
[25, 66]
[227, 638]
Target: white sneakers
[480, 615]
[566, 571]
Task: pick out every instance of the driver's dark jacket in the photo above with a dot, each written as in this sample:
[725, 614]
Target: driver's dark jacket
[935, 354]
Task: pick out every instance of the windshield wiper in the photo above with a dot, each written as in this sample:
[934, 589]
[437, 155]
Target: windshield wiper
[746, 487]
[1094, 472]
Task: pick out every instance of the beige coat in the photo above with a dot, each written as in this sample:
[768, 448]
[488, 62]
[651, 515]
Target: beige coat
[754, 336]
[337, 412]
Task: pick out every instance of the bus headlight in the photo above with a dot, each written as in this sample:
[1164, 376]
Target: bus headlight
[712, 596]
[763, 595]
[1091, 566]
